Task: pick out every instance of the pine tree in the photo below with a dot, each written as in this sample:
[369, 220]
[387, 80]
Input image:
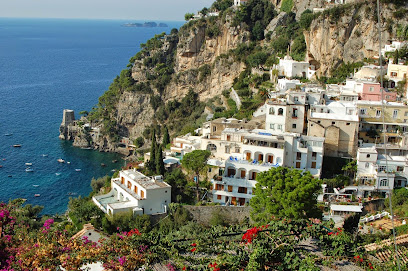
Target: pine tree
[166, 137]
[152, 162]
[159, 161]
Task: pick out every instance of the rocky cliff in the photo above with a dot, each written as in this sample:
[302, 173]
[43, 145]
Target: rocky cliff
[348, 34]
[198, 58]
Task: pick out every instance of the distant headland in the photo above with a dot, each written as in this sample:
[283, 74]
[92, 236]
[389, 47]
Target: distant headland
[146, 24]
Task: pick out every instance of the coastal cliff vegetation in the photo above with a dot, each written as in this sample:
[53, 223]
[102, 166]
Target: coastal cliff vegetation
[177, 79]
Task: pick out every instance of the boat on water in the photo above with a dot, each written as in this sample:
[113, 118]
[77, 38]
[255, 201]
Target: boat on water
[29, 169]
[36, 185]
[8, 134]
[17, 145]
[1, 166]
[28, 164]
[44, 155]
[58, 173]
[61, 160]
[37, 195]
[103, 165]
[68, 162]
[77, 169]
[114, 161]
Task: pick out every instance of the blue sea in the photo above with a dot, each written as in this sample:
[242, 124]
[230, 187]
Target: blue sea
[47, 65]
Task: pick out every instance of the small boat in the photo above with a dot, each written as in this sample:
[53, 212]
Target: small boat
[58, 173]
[1, 166]
[68, 162]
[36, 185]
[44, 155]
[36, 195]
[4, 159]
[17, 145]
[28, 164]
[77, 169]
[103, 165]
[29, 169]
[61, 160]
[8, 134]
[10, 176]
[114, 161]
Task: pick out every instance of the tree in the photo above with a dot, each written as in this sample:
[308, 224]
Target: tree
[139, 142]
[188, 16]
[196, 162]
[180, 189]
[84, 113]
[166, 136]
[285, 193]
[159, 161]
[152, 162]
[396, 56]
[350, 169]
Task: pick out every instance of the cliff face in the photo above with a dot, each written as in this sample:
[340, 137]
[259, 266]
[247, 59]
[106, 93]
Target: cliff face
[198, 58]
[349, 36]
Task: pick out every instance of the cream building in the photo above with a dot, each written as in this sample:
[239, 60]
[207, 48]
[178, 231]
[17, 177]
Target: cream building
[136, 192]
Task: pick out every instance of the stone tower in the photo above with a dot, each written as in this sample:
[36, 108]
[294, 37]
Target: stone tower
[68, 118]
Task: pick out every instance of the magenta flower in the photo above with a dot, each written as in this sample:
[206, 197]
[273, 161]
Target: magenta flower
[122, 260]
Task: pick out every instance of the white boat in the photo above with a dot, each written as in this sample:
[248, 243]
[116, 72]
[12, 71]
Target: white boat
[58, 173]
[28, 164]
[8, 134]
[68, 162]
[29, 169]
[77, 169]
[36, 195]
[44, 155]
[35, 185]
[61, 160]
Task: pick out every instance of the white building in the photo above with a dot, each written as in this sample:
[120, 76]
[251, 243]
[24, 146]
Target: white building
[240, 2]
[373, 173]
[286, 115]
[261, 151]
[284, 84]
[291, 68]
[134, 191]
[395, 45]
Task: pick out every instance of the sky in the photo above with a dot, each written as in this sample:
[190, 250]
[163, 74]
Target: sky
[163, 10]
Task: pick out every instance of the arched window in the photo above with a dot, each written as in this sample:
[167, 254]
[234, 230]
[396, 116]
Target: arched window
[211, 147]
[280, 111]
[272, 111]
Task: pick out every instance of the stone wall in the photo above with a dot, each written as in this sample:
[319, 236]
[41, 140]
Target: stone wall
[231, 214]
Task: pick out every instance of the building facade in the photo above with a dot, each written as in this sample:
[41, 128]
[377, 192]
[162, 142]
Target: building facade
[136, 192]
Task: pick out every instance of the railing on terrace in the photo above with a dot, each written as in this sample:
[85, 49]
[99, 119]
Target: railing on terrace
[254, 162]
[128, 190]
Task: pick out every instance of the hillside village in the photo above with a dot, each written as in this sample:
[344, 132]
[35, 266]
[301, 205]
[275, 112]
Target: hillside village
[240, 156]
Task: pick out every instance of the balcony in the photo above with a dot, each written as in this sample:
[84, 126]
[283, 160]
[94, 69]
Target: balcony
[127, 190]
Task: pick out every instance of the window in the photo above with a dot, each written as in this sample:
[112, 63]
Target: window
[272, 126]
[219, 197]
[294, 125]
[314, 155]
[229, 188]
[280, 127]
[382, 168]
[211, 147]
[296, 99]
[367, 165]
[318, 121]
[394, 74]
[384, 182]
[228, 137]
[395, 114]
[313, 164]
[378, 113]
[242, 190]
[371, 89]
[295, 113]
[368, 155]
[348, 123]
[272, 111]
[280, 111]
[363, 111]
[297, 164]
[333, 122]
[400, 168]
[237, 149]
[298, 156]
[214, 128]
[227, 149]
